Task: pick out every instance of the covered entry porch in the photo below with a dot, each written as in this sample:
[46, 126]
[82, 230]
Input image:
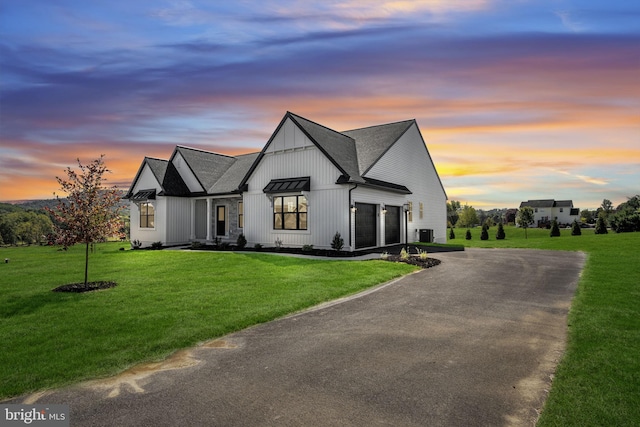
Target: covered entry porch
[216, 219]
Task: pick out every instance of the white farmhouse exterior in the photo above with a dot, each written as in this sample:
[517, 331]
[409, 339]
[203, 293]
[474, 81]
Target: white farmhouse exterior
[547, 210]
[376, 186]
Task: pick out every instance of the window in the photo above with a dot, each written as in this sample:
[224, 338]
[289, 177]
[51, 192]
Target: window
[421, 210]
[290, 213]
[147, 215]
[240, 214]
[410, 212]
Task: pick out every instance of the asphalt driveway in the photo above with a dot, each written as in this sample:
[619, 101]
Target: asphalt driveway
[473, 341]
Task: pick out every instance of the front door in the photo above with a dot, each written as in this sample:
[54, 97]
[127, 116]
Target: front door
[221, 220]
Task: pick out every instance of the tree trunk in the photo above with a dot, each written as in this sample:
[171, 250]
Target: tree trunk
[86, 265]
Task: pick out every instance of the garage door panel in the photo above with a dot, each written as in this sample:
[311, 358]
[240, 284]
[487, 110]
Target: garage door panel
[366, 225]
[392, 225]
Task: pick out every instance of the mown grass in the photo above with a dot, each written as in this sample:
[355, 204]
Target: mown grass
[165, 300]
[598, 380]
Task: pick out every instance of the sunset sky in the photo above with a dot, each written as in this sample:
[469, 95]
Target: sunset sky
[516, 99]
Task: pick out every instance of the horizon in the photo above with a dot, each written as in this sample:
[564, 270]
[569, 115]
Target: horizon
[515, 100]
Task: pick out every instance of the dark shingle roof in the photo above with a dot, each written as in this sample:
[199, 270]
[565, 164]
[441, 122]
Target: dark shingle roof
[172, 183]
[207, 167]
[372, 142]
[230, 180]
[157, 166]
[338, 147]
[166, 174]
[547, 203]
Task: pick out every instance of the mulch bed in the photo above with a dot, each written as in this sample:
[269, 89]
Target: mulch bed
[80, 287]
[413, 260]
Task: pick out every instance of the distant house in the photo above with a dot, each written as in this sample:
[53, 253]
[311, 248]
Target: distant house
[547, 210]
[376, 186]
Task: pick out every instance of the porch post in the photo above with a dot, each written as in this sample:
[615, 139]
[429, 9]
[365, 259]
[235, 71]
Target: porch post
[209, 220]
[193, 220]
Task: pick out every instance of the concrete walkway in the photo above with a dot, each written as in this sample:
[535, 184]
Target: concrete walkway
[473, 342]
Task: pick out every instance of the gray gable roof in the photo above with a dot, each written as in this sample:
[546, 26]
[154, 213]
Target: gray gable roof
[353, 152]
[158, 167]
[338, 147]
[372, 142]
[167, 176]
[207, 167]
[229, 182]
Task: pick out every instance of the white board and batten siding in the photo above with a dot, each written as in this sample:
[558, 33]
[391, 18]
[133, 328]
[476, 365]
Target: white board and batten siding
[408, 163]
[291, 155]
[178, 228]
[172, 215]
[147, 181]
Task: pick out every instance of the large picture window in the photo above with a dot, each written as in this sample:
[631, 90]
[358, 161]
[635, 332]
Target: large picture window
[147, 215]
[290, 213]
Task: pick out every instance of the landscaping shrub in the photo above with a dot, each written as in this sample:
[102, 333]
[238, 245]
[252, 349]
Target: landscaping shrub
[338, 242]
[156, 245]
[601, 225]
[484, 235]
[307, 248]
[500, 234]
[241, 242]
[468, 235]
[555, 230]
[575, 228]
[452, 235]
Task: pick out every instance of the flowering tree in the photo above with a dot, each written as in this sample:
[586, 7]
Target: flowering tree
[90, 212]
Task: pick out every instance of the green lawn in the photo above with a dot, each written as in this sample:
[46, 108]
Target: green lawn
[165, 300]
[598, 381]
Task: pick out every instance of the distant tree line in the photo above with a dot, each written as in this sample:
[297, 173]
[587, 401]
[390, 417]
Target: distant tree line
[24, 226]
[29, 223]
[623, 218]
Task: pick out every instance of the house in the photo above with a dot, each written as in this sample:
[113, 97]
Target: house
[376, 186]
[545, 211]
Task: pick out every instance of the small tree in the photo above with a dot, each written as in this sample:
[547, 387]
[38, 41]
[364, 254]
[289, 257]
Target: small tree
[241, 241]
[484, 235]
[468, 217]
[338, 242]
[468, 235]
[601, 224]
[90, 212]
[500, 233]
[575, 228]
[452, 235]
[525, 218]
[555, 230]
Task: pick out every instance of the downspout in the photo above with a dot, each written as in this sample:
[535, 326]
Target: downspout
[353, 248]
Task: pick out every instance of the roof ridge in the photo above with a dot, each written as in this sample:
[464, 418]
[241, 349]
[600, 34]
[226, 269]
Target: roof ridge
[317, 124]
[383, 124]
[204, 151]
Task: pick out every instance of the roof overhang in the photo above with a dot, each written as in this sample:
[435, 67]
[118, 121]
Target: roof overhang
[374, 183]
[288, 185]
[143, 196]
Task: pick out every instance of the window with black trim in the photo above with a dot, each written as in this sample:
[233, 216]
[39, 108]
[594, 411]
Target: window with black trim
[241, 214]
[147, 215]
[290, 213]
